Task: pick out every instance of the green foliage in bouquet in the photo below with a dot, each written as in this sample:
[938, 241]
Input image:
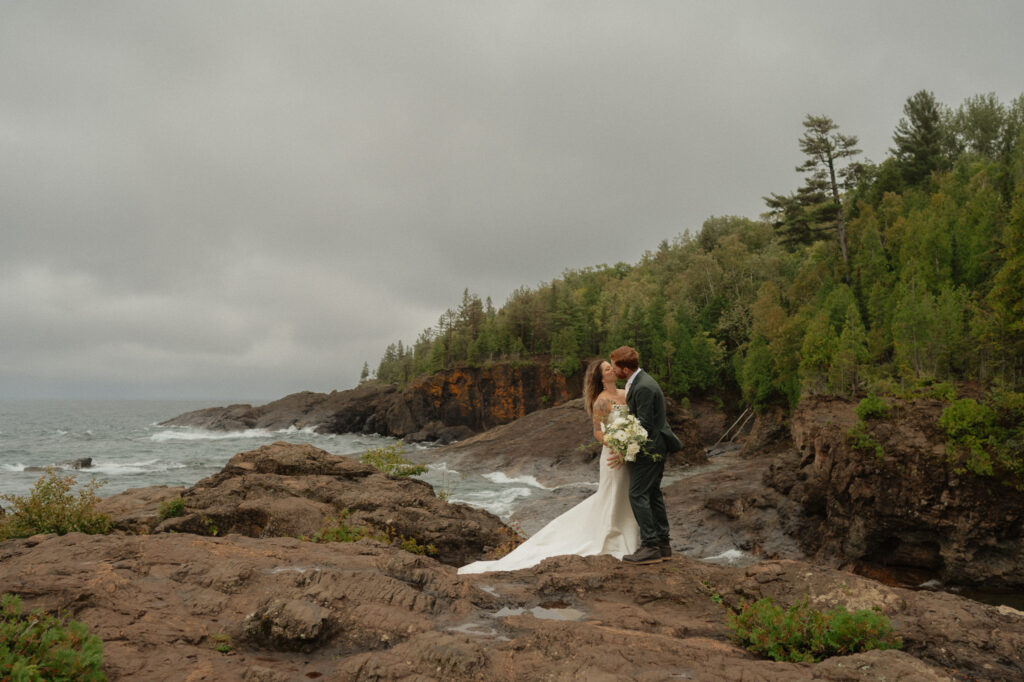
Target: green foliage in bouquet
[36, 646]
[52, 507]
[803, 634]
[391, 461]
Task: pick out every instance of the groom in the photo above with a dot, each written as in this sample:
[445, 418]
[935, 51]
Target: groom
[647, 403]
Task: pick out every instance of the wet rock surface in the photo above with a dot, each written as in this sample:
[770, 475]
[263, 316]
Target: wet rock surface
[188, 607]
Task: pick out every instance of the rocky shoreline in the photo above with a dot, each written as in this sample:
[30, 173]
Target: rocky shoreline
[226, 590]
[446, 406]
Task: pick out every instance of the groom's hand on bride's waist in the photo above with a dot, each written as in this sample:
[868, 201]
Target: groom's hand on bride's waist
[614, 460]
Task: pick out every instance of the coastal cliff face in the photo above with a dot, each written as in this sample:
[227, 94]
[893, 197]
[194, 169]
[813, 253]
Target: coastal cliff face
[909, 510]
[446, 406]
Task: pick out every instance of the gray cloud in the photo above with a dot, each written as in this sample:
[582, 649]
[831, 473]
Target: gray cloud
[242, 199]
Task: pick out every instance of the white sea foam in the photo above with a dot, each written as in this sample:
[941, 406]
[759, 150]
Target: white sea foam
[206, 434]
[17, 466]
[441, 467]
[498, 502]
[123, 468]
[292, 430]
[503, 479]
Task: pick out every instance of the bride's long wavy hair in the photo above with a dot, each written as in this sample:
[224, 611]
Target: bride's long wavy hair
[593, 384]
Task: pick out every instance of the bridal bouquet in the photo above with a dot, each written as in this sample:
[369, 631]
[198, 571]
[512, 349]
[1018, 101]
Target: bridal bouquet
[624, 434]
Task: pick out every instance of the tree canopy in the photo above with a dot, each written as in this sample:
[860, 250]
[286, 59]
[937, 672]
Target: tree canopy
[866, 276]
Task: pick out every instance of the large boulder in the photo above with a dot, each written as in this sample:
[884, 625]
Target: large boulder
[296, 490]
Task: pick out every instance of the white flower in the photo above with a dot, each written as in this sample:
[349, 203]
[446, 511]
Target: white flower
[624, 434]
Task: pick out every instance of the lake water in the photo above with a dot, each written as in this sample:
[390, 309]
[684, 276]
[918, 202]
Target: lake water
[129, 449]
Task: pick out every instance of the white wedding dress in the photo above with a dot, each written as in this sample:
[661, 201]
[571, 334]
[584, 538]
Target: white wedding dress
[601, 524]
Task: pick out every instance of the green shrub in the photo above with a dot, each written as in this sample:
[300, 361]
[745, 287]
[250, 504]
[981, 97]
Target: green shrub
[413, 546]
[391, 461]
[37, 646]
[872, 407]
[803, 634]
[51, 507]
[987, 438]
[862, 441]
[965, 418]
[172, 508]
[941, 391]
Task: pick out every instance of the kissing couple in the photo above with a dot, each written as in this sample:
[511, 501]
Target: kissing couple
[626, 517]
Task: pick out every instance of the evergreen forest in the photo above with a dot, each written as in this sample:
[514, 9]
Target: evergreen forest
[867, 278]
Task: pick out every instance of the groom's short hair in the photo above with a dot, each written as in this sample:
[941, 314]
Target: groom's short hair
[627, 357]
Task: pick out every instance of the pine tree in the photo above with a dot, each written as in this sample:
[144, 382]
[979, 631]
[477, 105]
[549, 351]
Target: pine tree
[851, 355]
[817, 207]
[819, 345]
[921, 138]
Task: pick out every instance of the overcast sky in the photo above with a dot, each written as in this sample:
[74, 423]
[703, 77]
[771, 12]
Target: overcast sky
[239, 200]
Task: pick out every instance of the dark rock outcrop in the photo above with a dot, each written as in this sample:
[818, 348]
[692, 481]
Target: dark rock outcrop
[910, 510]
[448, 405]
[185, 608]
[73, 464]
[294, 490]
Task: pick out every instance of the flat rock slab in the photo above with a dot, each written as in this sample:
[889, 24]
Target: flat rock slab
[186, 607]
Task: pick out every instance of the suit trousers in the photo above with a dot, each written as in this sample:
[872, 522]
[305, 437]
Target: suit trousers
[647, 502]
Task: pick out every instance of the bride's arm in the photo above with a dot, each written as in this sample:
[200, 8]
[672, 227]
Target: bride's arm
[602, 406]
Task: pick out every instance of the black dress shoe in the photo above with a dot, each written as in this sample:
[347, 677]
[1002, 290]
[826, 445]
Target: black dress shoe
[666, 551]
[644, 555]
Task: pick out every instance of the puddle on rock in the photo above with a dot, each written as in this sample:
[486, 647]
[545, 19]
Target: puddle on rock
[543, 613]
[477, 629]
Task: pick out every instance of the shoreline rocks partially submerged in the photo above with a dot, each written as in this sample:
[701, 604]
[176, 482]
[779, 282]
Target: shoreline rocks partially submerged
[226, 592]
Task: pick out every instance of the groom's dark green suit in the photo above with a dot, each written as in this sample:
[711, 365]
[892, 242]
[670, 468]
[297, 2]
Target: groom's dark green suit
[646, 401]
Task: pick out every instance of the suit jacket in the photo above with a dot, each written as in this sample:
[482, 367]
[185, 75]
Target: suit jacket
[646, 401]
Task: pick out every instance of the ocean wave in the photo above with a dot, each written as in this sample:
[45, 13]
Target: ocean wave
[205, 434]
[305, 430]
[16, 466]
[503, 479]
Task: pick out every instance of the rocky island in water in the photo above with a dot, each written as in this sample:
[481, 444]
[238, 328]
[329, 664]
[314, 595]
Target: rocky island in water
[228, 591]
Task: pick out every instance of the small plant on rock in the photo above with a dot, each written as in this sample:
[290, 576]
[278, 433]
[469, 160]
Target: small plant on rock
[803, 634]
[222, 642]
[863, 441]
[36, 646]
[337, 530]
[52, 507]
[391, 461]
[513, 537]
[172, 508]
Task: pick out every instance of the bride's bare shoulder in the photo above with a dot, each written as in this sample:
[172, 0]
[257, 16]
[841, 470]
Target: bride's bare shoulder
[620, 393]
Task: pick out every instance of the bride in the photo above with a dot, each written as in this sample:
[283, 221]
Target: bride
[601, 524]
